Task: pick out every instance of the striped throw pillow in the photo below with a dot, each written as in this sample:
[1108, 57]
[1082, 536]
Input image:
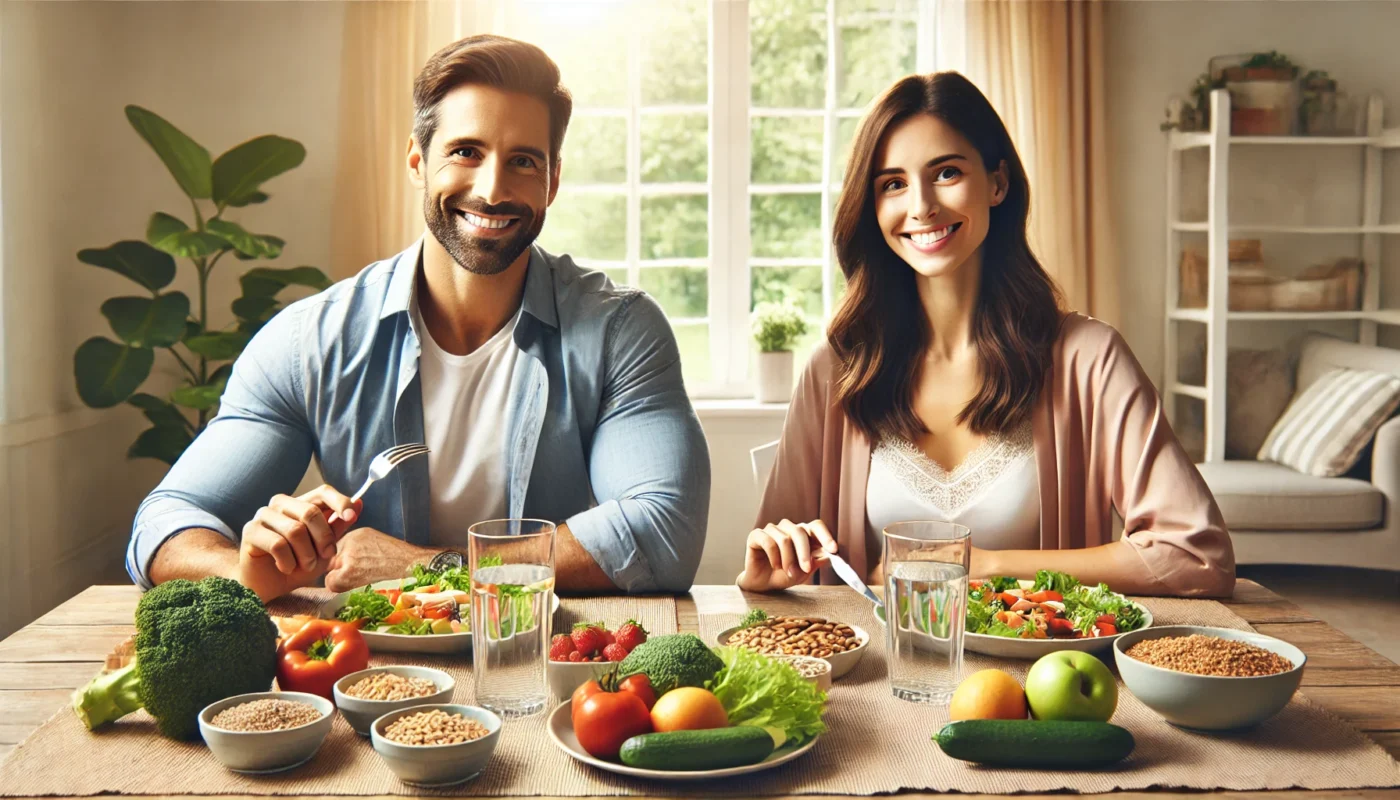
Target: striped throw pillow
[1327, 425]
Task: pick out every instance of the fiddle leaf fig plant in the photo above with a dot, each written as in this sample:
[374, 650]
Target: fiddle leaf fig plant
[109, 372]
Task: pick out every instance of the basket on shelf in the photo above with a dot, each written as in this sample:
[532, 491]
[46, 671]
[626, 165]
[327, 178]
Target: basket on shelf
[1332, 286]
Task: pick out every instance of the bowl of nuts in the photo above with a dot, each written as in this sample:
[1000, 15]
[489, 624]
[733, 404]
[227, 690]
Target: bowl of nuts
[1209, 678]
[369, 694]
[436, 745]
[839, 644]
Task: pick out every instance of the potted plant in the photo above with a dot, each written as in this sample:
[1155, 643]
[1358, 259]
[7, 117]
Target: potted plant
[109, 372]
[1263, 95]
[776, 327]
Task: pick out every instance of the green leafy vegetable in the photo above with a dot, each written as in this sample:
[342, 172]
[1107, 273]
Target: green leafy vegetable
[410, 627]
[365, 604]
[1054, 581]
[1001, 583]
[1128, 618]
[754, 617]
[760, 692]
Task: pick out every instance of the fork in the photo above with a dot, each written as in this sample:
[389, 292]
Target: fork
[385, 462]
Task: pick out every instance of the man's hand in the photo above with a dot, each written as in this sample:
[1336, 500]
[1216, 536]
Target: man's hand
[290, 542]
[365, 555]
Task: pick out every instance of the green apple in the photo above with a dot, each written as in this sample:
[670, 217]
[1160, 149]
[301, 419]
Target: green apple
[1071, 685]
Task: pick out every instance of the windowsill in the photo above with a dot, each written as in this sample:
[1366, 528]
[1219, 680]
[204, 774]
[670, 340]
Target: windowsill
[738, 408]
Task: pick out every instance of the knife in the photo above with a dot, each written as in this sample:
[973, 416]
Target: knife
[847, 574]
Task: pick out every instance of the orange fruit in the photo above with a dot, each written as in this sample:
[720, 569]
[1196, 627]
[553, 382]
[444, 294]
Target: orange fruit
[688, 709]
[989, 694]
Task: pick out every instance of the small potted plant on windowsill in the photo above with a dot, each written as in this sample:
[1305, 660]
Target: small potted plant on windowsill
[776, 328]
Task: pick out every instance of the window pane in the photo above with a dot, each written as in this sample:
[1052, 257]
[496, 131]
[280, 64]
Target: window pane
[683, 292]
[693, 340]
[787, 40]
[802, 348]
[786, 225]
[675, 227]
[573, 36]
[873, 56]
[847, 9]
[617, 275]
[785, 149]
[846, 128]
[595, 151]
[586, 226]
[675, 53]
[800, 285]
[675, 148]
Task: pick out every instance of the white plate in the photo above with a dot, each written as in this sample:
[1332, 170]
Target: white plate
[841, 663]
[561, 730]
[1003, 647]
[432, 643]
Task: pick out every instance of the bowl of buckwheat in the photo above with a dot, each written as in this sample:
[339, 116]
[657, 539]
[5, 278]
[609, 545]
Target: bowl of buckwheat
[266, 732]
[369, 694]
[1209, 678]
[839, 644]
[436, 745]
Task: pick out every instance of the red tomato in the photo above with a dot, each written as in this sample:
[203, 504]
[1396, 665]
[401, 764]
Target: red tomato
[640, 685]
[1105, 629]
[607, 719]
[391, 594]
[1046, 594]
[583, 692]
[439, 611]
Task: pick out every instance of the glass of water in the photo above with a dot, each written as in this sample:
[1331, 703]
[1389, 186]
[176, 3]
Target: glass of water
[925, 565]
[512, 569]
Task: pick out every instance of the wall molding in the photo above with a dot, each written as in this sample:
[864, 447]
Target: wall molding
[52, 426]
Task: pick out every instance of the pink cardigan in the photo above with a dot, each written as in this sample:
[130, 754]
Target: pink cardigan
[1101, 442]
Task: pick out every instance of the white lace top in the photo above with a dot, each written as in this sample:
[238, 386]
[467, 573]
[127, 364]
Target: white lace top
[995, 491]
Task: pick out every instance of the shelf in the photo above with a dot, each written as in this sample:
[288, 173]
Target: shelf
[1308, 230]
[1189, 390]
[1197, 139]
[1190, 315]
[1382, 317]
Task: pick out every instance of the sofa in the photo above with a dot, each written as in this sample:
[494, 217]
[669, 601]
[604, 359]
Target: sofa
[1279, 516]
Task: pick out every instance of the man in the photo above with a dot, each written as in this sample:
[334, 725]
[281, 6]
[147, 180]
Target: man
[543, 390]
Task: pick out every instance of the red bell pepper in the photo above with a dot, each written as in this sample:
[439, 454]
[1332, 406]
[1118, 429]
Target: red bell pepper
[321, 653]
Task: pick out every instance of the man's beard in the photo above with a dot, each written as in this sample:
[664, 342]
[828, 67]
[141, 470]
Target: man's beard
[477, 254]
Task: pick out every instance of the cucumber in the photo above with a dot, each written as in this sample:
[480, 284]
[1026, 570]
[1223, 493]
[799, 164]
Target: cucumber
[1044, 744]
[695, 750]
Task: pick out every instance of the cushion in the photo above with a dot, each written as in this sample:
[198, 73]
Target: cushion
[1329, 423]
[1258, 385]
[1263, 496]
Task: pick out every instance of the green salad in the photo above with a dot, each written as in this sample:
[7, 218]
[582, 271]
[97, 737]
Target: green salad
[1056, 606]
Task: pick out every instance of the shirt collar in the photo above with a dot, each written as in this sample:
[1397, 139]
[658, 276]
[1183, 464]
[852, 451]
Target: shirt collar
[538, 299]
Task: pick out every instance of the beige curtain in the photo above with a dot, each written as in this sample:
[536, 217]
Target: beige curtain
[1041, 64]
[386, 43]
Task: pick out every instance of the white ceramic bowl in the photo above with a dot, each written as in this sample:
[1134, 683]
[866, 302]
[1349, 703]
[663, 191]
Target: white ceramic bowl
[1209, 702]
[566, 676]
[841, 663]
[821, 666]
[260, 752]
[439, 764]
[361, 713]
[1028, 649]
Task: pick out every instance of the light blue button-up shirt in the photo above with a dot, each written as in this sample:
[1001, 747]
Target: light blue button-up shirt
[600, 432]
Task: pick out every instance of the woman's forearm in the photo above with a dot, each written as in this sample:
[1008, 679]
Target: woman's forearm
[1114, 564]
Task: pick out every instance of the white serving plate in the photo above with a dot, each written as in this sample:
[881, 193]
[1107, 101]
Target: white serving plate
[433, 643]
[841, 663]
[561, 730]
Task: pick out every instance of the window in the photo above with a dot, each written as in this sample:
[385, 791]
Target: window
[707, 147]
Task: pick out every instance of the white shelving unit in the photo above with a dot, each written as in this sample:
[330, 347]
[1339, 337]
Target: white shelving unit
[1216, 316]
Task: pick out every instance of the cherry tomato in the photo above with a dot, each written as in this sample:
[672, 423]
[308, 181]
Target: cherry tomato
[607, 719]
[439, 611]
[639, 685]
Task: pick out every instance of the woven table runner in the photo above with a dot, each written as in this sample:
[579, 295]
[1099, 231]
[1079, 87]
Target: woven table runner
[876, 743]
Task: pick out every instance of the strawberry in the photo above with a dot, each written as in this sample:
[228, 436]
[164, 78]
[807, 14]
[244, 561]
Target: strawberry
[614, 652]
[576, 656]
[588, 637]
[609, 637]
[561, 647]
[631, 634]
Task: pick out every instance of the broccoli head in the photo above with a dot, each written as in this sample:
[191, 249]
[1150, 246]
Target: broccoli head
[678, 659]
[196, 643]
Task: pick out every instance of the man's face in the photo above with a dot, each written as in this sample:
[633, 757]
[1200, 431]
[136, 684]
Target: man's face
[486, 176]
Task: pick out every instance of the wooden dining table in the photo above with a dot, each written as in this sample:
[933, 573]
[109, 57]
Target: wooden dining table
[42, 663]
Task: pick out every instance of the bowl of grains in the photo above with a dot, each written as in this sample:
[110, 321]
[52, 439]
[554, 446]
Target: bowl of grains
[839, 644]
[1209, 678]
[816, 670]
[266, 731]
[369, 694]
[436, 745]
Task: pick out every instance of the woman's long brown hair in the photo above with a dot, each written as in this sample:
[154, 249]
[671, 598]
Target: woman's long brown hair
[880, 331]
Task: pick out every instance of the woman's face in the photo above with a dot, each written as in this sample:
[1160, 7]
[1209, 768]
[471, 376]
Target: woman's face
[933, 195]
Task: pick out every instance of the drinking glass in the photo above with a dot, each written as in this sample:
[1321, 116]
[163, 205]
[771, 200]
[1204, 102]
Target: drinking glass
[512, 569]
[925, 565]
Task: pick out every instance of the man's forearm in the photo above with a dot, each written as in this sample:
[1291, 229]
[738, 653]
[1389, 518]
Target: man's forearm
[574, 569]
[192, 554]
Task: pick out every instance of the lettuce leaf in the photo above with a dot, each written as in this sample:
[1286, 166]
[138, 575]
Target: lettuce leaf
[365, 604]
[1054, 581]
[762, 693]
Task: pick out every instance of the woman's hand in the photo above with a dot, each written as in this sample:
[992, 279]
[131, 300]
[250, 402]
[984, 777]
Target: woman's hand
[785, 554]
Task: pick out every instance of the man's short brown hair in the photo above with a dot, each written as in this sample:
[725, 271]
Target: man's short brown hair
[507, 64]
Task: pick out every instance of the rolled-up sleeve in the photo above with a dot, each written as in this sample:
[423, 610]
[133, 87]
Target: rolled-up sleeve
[649, 465]
[257, 446]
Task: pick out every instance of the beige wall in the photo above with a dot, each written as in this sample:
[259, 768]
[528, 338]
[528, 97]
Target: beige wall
[76, 175]
[1155, 49]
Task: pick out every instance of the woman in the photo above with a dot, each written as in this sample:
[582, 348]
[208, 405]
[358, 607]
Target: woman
[952, 385]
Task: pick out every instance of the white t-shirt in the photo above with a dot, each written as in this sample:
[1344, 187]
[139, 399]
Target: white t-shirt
[465, 402]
